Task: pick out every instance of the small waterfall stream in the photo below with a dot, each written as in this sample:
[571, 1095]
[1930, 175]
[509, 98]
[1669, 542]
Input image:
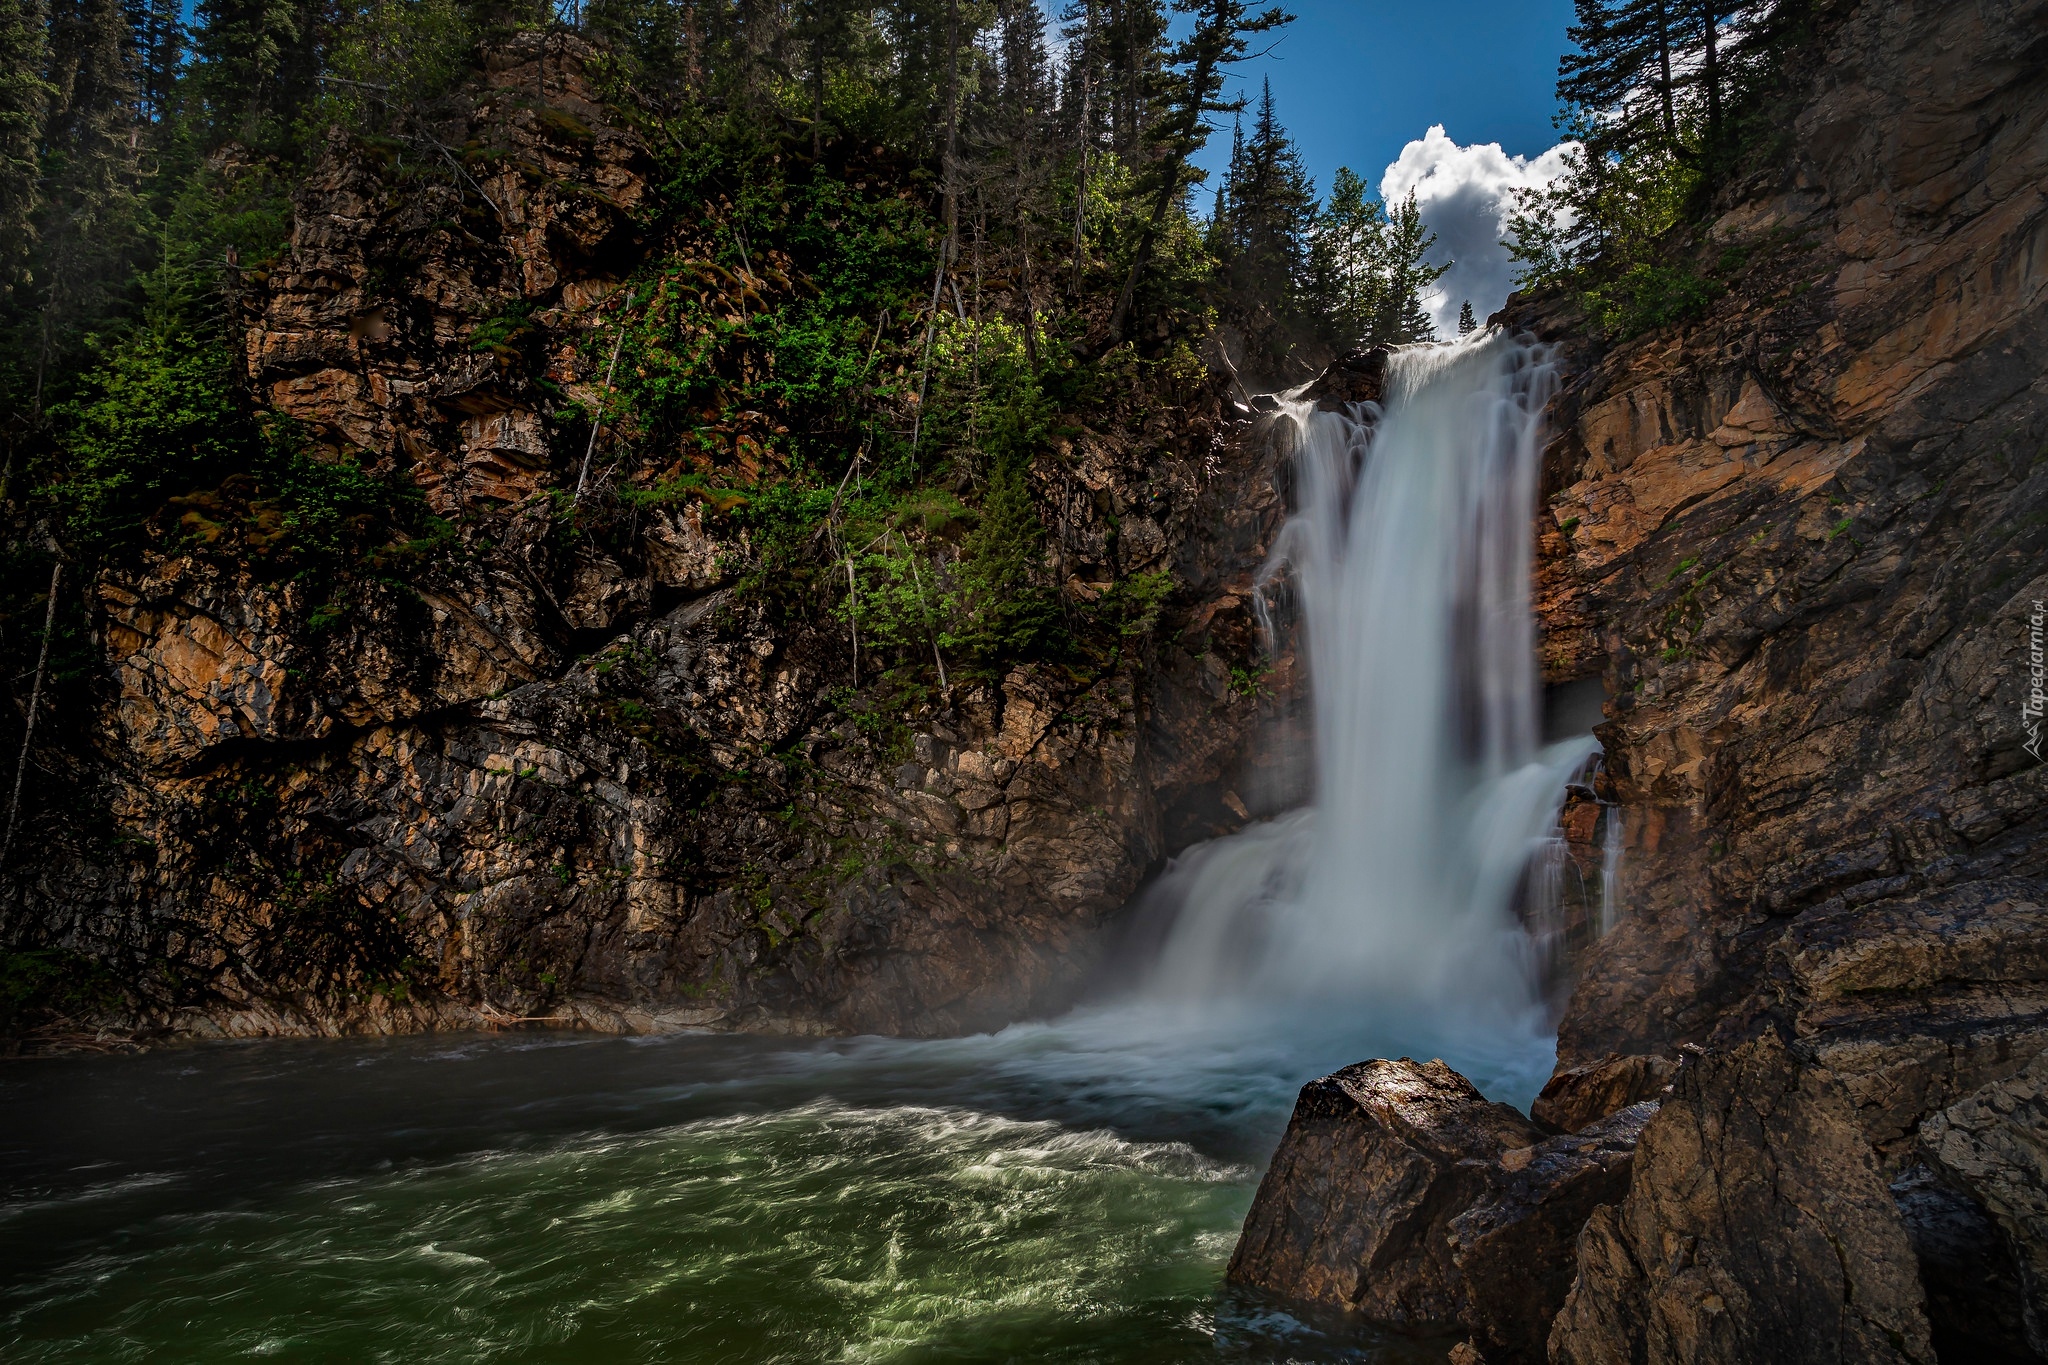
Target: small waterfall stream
[1406, 570]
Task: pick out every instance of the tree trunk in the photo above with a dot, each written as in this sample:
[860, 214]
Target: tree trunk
[1087, 137]
[952, 132]
[818, 98]
[1664, 66]
[35, 701]
[1710, 72]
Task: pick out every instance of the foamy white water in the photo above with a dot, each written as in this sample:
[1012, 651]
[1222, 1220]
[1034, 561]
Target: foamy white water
[1406, 568]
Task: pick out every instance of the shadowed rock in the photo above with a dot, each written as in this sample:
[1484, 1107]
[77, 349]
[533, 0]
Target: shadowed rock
[1968, 1271]
[1756, 1228]
[1513, 1248]
[1581, 1095]
[1994, 1147]
[1400, 1192]
[1358, 377]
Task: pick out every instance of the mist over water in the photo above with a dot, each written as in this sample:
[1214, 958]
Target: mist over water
[1062, 1190]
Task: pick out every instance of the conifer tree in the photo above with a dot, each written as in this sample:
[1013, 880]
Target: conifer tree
[1221, 37]
[90, 212]
[1404, 313]
[25, 95]
[824, 32]
[256, 66]
[1347, 265]
[1624, 50]
[1271, 220]
[1467, 324]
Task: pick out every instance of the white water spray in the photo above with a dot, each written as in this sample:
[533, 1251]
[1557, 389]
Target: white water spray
[1407, 568]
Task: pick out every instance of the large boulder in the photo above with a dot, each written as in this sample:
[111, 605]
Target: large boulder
[1513, 1247]
[1402, 1193]
[1756, 1228]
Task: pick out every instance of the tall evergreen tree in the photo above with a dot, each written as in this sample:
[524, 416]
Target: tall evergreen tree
[1624, 54]
[1467, 324]
[1404, 311]
[1223, 30]
[1347, 261]
[1271, 221]
[91, 210]
[25, 93]
[256, 67]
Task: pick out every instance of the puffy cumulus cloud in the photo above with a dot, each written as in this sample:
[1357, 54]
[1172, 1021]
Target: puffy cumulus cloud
[1464, 195]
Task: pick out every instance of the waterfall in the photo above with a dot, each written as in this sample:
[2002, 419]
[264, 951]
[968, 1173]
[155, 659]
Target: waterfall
[1610, 868]
[1406, 569]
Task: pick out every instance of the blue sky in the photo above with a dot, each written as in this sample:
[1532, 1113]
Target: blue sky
[1356, 80]
[1368, 84]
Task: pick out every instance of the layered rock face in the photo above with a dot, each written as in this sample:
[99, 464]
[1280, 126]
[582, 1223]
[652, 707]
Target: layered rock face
[1802, 538]
[535, 778]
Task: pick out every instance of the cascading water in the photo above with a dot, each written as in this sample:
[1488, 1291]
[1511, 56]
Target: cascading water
[1406, 567]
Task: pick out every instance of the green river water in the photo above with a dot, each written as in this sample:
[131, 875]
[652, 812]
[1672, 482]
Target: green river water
[1065, 1192]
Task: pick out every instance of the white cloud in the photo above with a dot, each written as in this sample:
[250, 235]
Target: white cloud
[1463, 193]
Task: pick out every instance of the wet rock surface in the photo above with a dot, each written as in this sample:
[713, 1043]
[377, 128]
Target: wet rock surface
[1756, 1228]
[1402, 1194]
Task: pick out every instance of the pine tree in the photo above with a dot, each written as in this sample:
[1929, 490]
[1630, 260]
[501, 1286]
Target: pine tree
[1467, 324]
[1271, 222]
[1625, 50]
[1221, 38]
[87, 227]
[1404, 315]
[25, 93]
[1347, 267]
[256, 62]
[823, 30]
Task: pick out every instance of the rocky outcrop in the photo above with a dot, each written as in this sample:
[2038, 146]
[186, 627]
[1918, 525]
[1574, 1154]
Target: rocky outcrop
[1399, 1192]
[1756, 1227]
[1575, 1097]
[1798, 538]
[520, 771]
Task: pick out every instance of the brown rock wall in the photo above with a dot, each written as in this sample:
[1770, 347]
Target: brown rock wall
[1756, 1228]
[1806, 527]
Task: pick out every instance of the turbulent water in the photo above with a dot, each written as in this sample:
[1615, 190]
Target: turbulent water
[1067, 1191]
[1059, 1192]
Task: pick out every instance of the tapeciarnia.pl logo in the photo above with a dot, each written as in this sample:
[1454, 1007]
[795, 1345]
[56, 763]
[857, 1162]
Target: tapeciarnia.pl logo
[2032, 705]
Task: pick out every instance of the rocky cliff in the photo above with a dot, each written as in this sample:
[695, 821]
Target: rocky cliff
[601, 779]
[1802, 540]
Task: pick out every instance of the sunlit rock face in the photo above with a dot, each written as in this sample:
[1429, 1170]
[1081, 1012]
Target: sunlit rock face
[534, 779]
[1801, 539]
